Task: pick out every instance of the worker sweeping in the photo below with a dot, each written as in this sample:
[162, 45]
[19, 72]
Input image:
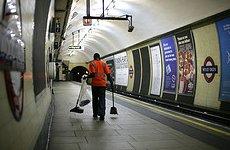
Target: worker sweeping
[99, 70]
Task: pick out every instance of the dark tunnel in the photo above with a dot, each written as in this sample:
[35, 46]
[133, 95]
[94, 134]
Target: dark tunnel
[77, 72]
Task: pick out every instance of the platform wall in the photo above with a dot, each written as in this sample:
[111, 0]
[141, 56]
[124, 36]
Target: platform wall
[200, 92]
[23, 134]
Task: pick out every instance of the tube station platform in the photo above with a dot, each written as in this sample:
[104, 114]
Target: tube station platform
[138, 126]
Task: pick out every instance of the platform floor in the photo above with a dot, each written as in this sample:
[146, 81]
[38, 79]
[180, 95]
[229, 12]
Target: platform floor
[129, 130]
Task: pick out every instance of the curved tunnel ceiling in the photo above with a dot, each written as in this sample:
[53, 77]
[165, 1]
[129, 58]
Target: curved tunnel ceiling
[149, 18]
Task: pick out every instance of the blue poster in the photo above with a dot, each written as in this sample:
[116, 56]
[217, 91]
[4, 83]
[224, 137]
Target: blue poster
[170, 61]
[223, 28]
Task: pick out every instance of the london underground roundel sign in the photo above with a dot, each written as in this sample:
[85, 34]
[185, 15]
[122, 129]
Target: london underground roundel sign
[15, 60]
[131, 71]
[209, 69]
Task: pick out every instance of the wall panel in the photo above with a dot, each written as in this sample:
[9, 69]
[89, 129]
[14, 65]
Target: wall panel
[39, 40]
[23, 134]
[145, 81]
[206, 42]
[137, 71]
[131, 71]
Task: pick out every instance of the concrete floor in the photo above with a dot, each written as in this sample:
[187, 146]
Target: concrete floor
[129, 130]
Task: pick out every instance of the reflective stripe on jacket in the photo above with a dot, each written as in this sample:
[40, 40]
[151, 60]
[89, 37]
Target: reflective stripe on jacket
[100, 69]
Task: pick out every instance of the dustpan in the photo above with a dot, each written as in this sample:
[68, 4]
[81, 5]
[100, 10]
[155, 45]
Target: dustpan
[113, 109]
[84, 102]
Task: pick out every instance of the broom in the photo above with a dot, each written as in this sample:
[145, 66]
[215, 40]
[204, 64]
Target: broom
[77, 109]
[113, 110]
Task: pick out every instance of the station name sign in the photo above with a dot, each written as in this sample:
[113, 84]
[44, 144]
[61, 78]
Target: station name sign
[209, 69]
[74, 47]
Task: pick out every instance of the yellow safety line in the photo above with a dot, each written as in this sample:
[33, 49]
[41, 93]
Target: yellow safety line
[176, 116]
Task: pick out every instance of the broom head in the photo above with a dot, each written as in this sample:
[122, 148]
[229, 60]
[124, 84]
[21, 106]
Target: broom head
[113, 110]
[77, 110]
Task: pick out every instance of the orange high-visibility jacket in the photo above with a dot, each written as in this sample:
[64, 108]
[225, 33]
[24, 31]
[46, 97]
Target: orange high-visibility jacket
[100, 69]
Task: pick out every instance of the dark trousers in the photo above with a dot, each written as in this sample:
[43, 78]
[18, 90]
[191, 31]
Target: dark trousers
[98, 94]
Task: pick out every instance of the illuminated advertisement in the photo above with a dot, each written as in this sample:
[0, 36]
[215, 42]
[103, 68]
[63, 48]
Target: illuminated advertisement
[156, 70]
[121, 69]
[186, 63]
[223, 28]
[170, 61]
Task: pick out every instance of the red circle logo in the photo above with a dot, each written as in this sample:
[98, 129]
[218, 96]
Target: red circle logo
[209, 69]
[131, 72]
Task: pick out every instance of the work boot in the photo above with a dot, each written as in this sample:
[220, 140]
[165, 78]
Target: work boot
[102, 118]
[94, 116]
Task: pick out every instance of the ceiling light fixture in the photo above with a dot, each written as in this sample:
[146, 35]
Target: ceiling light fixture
[102, 17]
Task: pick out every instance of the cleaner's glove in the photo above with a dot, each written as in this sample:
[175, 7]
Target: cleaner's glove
[111, 82]
[84, 77]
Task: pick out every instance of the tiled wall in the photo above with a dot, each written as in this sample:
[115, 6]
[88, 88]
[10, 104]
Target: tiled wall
[23, 134]
[206, 40]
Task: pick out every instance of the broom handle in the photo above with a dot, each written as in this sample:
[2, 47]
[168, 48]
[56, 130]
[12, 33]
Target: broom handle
[113, 97]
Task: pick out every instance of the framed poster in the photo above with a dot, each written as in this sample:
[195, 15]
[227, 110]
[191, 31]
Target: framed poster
[170, 65]
[156, 70]
[186, 62]
[121, 69]
[223, 28]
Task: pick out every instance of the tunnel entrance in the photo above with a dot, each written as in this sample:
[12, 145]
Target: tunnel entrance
[77, 72]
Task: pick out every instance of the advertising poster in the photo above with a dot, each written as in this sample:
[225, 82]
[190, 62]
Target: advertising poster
[122, 70]
[186, 52]
[156, 70]
[170, 61]
[110, 62]
[223, 28]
